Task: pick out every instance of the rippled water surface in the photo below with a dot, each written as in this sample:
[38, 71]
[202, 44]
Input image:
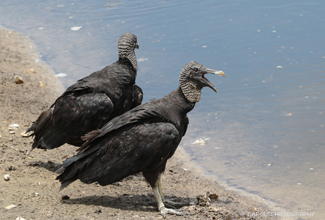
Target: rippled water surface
[265, 128]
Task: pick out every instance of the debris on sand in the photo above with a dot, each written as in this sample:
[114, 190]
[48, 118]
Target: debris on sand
[10, 207]
[18, 79]
[201, 141]
[203, 200]
[6, 177]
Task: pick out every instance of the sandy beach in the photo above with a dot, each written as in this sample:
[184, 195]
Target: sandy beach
[32, 191]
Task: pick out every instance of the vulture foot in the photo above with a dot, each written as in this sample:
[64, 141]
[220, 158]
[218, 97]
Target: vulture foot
[163, 211]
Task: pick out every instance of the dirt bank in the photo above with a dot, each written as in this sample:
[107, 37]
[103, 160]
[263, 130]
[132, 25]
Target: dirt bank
[32, 188]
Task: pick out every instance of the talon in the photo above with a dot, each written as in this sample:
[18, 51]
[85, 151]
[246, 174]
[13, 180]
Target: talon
[163, 211]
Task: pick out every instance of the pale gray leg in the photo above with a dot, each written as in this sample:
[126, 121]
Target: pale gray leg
[161, 207]
[169, 203]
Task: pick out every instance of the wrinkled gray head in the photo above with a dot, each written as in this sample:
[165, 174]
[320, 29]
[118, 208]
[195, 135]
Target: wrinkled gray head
[126, 45]
[192, 80]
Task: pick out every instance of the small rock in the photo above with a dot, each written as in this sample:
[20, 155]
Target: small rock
[24, 134]
[65, 197]
[18, 79]
[213, 196]
[10, 207]
[36, 194]
[10, 168]
[98, 211]
[41, 84]
[13, 127]
[203, 200]
[20, 218]
[117, 184]
[31, 71]
[6, 177]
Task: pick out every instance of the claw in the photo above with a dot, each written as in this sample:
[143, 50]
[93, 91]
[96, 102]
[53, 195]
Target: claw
[163, 211]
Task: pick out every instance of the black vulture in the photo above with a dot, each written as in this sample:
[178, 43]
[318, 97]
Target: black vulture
[92, 101]
[140, 140]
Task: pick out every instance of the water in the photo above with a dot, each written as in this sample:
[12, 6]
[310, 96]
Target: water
[266, 124]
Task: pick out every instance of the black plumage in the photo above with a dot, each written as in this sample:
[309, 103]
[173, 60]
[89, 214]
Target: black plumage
[91, 101]
[140, 140]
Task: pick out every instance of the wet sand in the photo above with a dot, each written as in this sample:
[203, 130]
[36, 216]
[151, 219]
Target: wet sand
[32, 188]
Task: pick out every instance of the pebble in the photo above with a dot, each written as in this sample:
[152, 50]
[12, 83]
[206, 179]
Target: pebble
[203, 200]
[10, 207]
[18, 79]
[24, 134]
[20, 218]
[13, 127]
[6, 177]
[117, 184]
[65, 197]
[31, 71]
[213, 196]
[41, 84]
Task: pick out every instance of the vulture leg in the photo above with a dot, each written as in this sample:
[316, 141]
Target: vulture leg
[161, 207]
[169, 203]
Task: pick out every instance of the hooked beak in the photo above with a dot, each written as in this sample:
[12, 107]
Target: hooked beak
[219, 72]
[137, 46]
[207, 82]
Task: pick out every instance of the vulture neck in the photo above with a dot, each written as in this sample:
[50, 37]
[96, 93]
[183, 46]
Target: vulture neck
[179, 100]
[131, 60]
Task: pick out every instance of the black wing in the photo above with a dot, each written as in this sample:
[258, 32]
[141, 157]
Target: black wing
[122, 152]
[69, 118]
[140, 114]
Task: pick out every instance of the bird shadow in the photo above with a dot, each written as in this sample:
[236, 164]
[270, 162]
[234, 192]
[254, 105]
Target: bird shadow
[135, 202]
[49, 165]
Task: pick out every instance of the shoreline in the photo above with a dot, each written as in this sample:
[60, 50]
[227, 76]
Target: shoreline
[32, 187]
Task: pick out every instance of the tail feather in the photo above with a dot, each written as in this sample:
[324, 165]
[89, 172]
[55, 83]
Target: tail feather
[44, 136]
[66, 183]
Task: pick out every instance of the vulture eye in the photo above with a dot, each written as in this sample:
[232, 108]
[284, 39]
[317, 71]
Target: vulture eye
[196, 69]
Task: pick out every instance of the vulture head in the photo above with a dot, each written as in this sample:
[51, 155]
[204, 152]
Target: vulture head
[126, 45]
[192, 80]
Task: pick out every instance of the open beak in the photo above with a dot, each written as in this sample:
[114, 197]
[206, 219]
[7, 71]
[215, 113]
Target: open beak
[207, 82]
[219, 72]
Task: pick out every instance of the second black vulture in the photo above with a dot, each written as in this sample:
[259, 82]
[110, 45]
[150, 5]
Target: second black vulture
[140, 140]
[91, 101]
